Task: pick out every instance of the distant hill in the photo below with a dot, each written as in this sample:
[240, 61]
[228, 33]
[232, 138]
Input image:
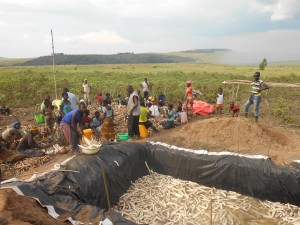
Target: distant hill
[12, 61]
[121, 58]
[209, 50]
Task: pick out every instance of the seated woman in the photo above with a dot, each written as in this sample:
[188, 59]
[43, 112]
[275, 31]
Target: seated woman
[10, 135]
[97, 122]
[27, 146]
[143, 120]
[171, 117]
[161, 99]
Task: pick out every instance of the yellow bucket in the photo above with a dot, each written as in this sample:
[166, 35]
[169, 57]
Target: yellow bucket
[88, 133]
[143, 131]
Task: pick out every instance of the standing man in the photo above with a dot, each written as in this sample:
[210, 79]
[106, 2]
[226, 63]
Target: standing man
[72, 98]
[255, 98]
[71, 126]
[133, 112]
[86, 91]
[146, 86]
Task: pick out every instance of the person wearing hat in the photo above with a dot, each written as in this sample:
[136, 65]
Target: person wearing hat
[27, 146]
[11, 134]
[86, 91]
[188, 98]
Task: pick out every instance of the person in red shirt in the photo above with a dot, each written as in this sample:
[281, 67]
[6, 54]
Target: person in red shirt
[189, 98]
[86, 121]
[234, 109]
[99, 100]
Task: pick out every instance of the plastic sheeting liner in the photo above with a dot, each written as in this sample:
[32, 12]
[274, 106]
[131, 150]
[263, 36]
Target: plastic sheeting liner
[123, 163]
[202, 108]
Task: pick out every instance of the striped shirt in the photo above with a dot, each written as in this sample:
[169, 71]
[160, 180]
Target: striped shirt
[256, 87]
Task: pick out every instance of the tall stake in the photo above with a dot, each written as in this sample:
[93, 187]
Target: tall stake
[53, 66]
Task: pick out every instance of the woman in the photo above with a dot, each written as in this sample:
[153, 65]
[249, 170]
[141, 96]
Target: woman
[71, 126]
[189, 98]
[108, 130]
[171, 117]
[65, 105]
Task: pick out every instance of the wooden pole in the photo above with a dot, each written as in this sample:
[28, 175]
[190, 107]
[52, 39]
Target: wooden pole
[107, 194]
[53, 66]
[211, 212]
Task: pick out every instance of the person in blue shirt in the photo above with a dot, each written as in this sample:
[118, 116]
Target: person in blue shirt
[161, 99]
[171, 117]
[65, 105]
[72, 127]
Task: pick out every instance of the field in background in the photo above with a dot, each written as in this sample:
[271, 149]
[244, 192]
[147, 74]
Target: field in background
[27, 86]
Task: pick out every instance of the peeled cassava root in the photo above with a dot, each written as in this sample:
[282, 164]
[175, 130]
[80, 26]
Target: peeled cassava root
[160, 199]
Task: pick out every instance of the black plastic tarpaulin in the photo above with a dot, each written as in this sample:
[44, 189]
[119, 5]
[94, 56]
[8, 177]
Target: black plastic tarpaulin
[69, 193]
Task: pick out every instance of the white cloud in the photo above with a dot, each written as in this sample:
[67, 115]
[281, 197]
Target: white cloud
[26, 36]
[284, 10]
[102, 37]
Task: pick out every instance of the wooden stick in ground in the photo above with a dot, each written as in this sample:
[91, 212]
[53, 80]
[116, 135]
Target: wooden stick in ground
[211, 209]
[237, 91]
[107, 194]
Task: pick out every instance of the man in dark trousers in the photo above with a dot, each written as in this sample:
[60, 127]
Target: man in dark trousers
[133, 112]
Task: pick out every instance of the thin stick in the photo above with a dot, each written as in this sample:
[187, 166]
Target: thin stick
[237, 91]
[238, 136]
[211, 212]
[53, 66]
[107, 194]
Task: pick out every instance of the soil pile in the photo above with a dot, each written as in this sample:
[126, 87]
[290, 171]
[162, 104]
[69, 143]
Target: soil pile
[21, 210]
[238, 135]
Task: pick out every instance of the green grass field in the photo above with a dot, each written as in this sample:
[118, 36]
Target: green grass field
[21, 86]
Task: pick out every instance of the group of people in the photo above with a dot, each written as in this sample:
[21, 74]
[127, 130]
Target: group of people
[73, 116]
[255, 98]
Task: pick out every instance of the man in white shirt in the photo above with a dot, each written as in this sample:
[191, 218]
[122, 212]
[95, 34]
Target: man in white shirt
[146, 86]
[86, 91]
[133, 112]
[72, 98]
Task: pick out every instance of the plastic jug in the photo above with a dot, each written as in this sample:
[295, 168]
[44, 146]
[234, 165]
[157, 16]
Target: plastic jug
[143, 131]
[88, 133]
[184, 119]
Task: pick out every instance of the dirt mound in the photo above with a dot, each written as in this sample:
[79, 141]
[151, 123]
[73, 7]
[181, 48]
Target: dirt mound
[235, 134]
[21, 210]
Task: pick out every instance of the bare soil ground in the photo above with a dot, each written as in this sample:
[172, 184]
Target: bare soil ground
[231, 134]
[238, 135]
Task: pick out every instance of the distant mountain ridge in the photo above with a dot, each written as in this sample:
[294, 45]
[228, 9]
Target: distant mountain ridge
[120, 58]
[209, 50]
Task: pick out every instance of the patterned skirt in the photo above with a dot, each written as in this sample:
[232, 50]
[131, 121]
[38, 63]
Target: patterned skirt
[108, 130]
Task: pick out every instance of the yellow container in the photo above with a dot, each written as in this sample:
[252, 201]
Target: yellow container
[88, 133]
[143, 131]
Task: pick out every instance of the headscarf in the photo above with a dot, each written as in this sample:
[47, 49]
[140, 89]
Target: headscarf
[16, 123]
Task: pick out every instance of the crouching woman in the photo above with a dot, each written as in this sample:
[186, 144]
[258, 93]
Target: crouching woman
[71, 125]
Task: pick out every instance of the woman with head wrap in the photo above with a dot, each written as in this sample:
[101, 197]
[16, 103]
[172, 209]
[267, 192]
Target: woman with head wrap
[188, 98]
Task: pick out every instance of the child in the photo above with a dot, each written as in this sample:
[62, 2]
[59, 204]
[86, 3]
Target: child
[220, 101]
[99, 100]
[97, 122]
[47, 112]
[178, 116]
[108, 131]
[65, 105]
[86, 121]
[234, 109]
[171, 117]
[143, 120]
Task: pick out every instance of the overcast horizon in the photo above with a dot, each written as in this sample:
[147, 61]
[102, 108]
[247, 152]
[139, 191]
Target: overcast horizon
[266, 28]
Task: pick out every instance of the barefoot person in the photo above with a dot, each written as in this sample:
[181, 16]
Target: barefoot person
[72, 127]
[234, 109]
[133, 112]
[220, 102]
[146, 86]
[188, 98]
[255, 98]
[27, 146]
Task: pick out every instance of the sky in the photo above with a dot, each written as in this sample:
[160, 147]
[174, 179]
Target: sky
[265, 28]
